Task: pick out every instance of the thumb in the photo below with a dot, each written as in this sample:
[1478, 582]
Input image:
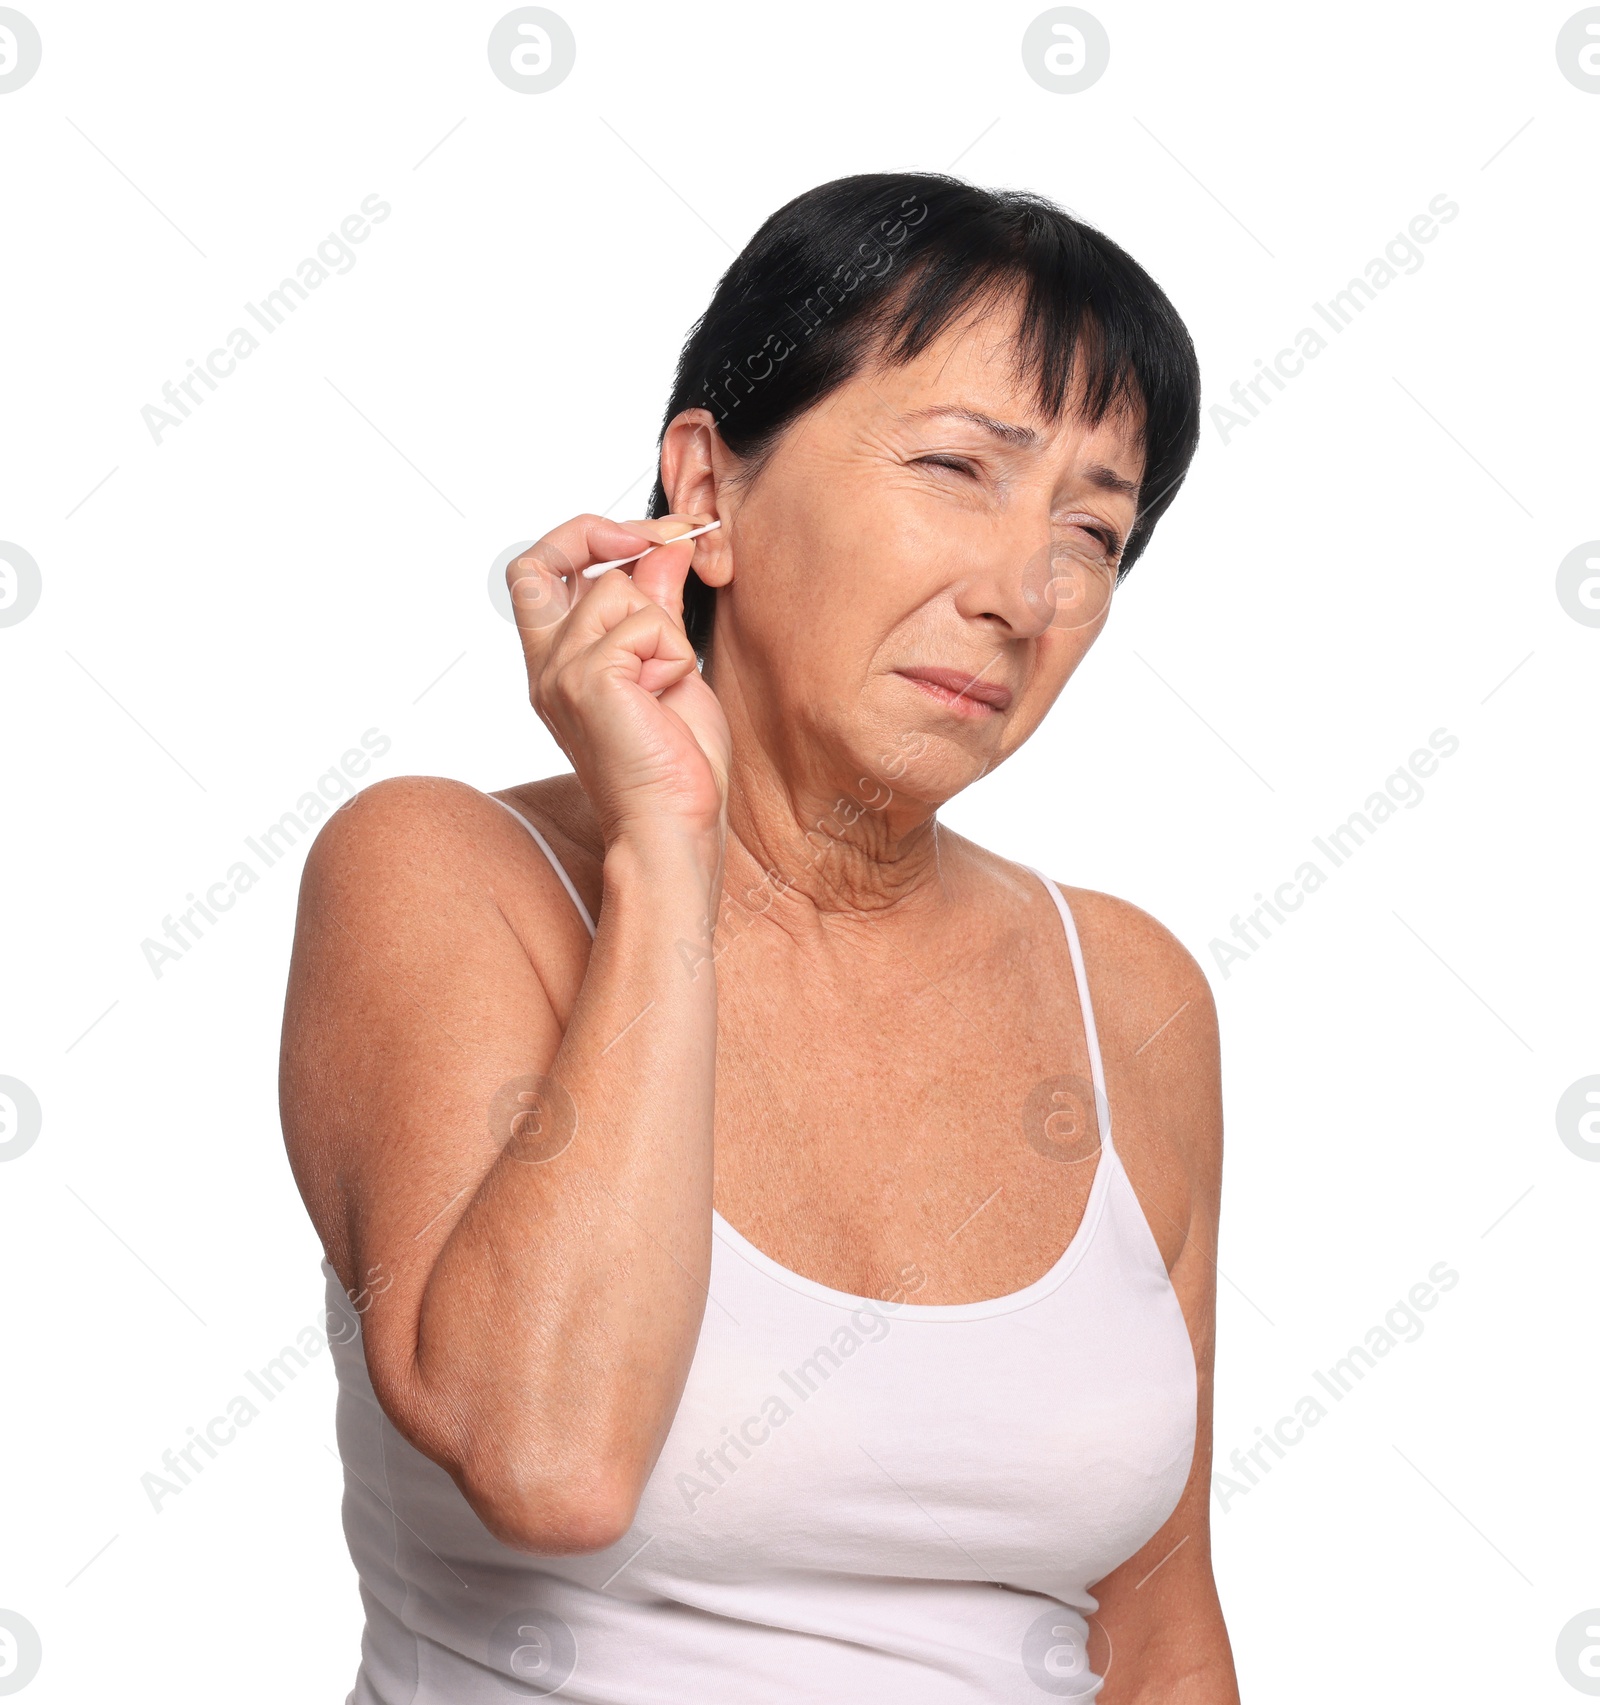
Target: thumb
[662, 574]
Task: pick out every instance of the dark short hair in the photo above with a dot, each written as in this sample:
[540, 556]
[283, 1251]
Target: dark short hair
[876, 266]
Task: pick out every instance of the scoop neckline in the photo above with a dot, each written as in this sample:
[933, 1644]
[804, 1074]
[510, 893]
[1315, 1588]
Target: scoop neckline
[1037, 1289]
[1094, 1204]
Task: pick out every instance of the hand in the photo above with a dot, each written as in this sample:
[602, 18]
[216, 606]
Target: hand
[612, 674]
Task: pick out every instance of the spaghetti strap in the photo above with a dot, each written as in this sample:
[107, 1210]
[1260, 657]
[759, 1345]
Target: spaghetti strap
[1091, 1035]
[555, 863]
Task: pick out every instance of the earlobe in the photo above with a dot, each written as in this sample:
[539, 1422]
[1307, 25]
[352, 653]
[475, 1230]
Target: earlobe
[714, 561]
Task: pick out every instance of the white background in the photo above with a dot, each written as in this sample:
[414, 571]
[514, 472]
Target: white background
[1371, 559]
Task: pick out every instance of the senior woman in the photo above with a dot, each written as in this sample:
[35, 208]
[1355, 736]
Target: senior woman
[738, 1292]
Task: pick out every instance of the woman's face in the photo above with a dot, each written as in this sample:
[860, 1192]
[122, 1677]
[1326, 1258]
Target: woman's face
[910, 579]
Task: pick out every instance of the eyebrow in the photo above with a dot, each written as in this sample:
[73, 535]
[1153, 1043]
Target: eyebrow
[1025, 438]
[1109, 480]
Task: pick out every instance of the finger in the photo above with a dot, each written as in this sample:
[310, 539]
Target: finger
[588, 539]
[656, 674]
[543, 586]
[661, 528]
[645, 649]
[601, 605]
[584, 540]
[593, 539]
[546, 581]
[649, 645]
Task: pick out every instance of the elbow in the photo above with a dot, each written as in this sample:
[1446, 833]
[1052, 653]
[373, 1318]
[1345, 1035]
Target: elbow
[532, 1492]
[580, 1508]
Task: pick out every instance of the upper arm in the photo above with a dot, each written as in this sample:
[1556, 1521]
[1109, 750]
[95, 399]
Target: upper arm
[411, 1000]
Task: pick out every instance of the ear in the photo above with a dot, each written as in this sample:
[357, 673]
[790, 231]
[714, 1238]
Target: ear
[695, 470]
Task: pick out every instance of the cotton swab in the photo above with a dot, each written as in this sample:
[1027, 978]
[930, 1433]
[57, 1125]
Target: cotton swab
[600, 567]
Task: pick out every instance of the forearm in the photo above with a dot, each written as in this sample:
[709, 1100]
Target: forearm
[1211, 1684]
[1186, 1663]
[558, 1323]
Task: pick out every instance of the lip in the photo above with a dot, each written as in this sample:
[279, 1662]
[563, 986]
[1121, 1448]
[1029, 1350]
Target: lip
[961, 690]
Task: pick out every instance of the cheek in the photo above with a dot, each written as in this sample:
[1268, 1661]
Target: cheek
[1056, 656]
[798, 610]
[1062, 647]
[830, 584]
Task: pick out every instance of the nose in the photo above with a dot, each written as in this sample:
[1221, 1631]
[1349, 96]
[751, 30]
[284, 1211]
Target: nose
[1028, 581]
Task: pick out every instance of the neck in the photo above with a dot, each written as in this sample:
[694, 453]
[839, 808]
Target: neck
[827, 848]
[805, 823]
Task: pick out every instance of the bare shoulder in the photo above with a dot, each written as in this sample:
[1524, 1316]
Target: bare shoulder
[1141, 974]
[1157, 1020]
[421, 882]
[392, 825]
[415, 838]
[408, 816]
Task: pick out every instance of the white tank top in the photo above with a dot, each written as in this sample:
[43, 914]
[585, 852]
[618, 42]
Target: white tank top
[858, 1501]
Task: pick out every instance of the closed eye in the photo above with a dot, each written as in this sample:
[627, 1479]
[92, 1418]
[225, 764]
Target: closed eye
[1106, 538]
[955, 463]
[1109, 542]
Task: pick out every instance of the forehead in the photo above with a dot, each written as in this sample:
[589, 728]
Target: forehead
[974, 376]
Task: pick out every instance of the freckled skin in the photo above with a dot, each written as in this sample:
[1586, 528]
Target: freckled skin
[843, 1064]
